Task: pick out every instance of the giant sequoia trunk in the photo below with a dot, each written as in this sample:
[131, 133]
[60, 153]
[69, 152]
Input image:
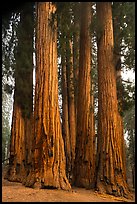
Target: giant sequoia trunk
[16, 170]
[49, 154]
[84, 159]
[21, 137]
[111, 175]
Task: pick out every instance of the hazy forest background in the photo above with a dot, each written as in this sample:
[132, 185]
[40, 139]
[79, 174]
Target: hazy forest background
[60, 108]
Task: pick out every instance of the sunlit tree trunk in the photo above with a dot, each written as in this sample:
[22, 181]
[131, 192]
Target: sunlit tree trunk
[84, 159]
[49, 154]
[16, 167]
[111, 175]
[21, 137]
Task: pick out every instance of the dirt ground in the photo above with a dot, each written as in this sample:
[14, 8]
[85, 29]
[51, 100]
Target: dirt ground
[16, 192]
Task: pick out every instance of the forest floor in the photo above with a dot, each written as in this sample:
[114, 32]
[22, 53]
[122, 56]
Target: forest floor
[16, 192]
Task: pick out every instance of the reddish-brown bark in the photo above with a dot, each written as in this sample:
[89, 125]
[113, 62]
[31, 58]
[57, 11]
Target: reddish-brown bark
[84, 158]
[111, 175]
[49, 156]
[21, 137]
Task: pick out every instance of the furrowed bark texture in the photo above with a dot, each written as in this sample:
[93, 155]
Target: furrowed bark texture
[111, 175]
[49, 150]
[84, 159]
[16, 169]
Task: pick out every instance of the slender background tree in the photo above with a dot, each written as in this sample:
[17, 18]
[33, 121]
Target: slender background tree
[84, 158]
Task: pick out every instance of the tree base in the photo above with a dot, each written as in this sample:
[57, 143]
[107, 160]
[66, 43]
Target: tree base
[62, 183]
[29, 180]
[12, 176]
[117, 190]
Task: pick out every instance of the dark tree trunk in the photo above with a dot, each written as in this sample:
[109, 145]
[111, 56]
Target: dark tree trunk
[76, 36]
[65, 112]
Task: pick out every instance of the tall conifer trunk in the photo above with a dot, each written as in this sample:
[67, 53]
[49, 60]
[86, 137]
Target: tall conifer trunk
[71, 101]
[21, 137]
[111, 175]
[68, 102]
[84, 159]
[65, 112]
[119, 85]
[49, 154]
